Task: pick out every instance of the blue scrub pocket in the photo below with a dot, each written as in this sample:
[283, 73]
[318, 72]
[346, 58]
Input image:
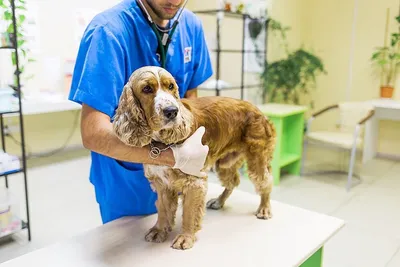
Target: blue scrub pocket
[129, 191]
[130, 166]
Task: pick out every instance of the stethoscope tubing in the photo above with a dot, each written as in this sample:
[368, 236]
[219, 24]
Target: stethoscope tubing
[163, 49]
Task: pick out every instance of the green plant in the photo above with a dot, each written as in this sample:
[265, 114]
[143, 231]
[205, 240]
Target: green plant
[387, 58]
[285, 80]
[7, 17]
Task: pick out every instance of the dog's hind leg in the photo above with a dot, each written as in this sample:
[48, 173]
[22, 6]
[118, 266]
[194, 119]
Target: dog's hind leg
[260, 138]
[230, 179]
[261, 176]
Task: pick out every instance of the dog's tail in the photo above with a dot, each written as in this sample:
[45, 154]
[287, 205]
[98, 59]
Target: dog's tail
[270, 135]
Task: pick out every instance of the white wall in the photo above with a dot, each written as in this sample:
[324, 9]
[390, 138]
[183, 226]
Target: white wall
[56, 33]
[320, 26]
[56, 27]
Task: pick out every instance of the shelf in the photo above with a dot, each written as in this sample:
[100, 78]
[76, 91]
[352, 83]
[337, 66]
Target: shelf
[237, 51]
[16, 223]
[6, 47]
[22, 225]
[11, 172]
[225, 12]
[9, 112]
[287, 159]
[231, 87]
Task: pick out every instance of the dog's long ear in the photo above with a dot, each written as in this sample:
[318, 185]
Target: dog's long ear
[130, 124]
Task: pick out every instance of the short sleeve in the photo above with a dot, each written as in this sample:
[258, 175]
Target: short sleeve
[202, 65]
[99, 71]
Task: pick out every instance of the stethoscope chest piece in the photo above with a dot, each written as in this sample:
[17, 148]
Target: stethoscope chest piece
[164, 39]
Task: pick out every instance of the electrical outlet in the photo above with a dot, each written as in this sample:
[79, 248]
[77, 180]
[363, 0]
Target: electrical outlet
[10, 129]
[6, 130]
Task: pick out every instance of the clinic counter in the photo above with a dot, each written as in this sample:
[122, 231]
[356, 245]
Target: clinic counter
[230, 237]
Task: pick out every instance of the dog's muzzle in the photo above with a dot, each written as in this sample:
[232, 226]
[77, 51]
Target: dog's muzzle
[170, 112]
[166, 105]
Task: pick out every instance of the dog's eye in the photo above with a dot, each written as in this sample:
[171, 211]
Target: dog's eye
[171, 86]
[147, 89]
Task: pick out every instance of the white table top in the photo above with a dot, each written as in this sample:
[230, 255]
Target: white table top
[32, 107]
[385, 103]
[42, 104]
[233, 236]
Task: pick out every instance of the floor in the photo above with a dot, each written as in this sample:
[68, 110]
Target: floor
[62, 205]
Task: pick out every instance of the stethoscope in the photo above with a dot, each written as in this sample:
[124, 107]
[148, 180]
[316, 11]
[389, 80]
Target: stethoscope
[165, 40]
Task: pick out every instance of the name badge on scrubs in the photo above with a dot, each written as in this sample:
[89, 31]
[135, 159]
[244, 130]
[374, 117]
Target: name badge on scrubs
[187, 54]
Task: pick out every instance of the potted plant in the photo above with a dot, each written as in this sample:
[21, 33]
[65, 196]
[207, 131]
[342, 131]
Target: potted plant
[387, 59]
[286, 79]
[23, 49]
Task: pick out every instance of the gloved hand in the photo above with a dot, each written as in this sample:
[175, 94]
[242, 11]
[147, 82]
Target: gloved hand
[190, 156]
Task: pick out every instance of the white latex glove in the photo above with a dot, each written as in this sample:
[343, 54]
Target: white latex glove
[190, 156]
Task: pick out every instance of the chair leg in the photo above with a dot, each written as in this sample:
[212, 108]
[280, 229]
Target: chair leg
[352, 159]
[305, 144]
[351, 169]
[303, 158]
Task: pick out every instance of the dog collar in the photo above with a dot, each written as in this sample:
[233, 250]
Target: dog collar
[155, 151]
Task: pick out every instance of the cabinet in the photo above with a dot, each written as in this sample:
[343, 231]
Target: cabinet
[289, 124]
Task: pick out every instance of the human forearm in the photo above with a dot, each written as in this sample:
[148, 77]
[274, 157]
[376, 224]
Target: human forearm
[103, 141]
[98, 136]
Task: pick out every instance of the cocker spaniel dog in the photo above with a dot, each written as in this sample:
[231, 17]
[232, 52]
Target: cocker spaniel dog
[150, 112]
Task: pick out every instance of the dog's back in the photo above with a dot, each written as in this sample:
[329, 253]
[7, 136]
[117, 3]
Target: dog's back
[233, 127]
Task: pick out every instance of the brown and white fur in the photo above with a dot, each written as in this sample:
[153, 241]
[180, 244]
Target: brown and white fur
[150, 110]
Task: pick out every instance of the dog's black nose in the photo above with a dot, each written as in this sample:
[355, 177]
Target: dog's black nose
[170, 112]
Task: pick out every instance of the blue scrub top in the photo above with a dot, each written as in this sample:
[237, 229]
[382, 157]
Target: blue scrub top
[116, 43]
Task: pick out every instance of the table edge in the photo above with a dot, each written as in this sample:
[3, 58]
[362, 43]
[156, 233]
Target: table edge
[327, 238]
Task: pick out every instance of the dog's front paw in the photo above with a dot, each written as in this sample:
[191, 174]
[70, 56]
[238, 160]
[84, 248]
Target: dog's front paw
[214, 204]
[156, 235]
[183, 242]
[264, 213]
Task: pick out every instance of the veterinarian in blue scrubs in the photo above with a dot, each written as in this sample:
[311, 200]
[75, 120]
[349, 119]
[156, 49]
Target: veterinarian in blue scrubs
[116, 43]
